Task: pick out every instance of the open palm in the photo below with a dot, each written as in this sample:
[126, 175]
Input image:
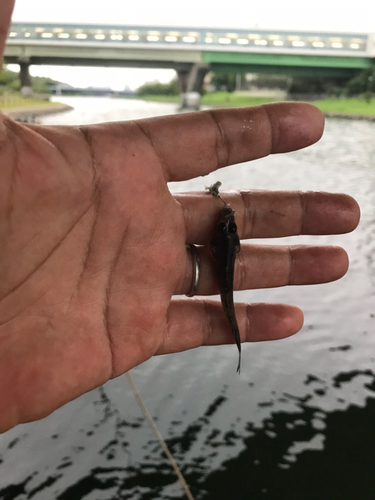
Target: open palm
[94, 244]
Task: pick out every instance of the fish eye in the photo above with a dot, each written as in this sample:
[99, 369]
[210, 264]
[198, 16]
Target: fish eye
[232, 228]
[221, 227]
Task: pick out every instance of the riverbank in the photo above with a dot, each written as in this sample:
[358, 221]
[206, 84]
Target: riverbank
[346, 108]
[216, 99]
[18, 108]
[35, 111]
[349, 108]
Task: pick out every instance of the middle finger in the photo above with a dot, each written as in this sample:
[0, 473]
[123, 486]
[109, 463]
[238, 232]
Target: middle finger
[267, 214]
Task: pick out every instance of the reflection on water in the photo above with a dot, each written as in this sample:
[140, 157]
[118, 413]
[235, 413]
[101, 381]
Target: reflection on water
[298, 422]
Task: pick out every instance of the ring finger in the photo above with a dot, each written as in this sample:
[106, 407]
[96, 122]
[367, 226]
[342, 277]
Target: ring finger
[265, 266]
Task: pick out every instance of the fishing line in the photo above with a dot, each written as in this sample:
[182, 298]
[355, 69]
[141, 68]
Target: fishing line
[155, 430]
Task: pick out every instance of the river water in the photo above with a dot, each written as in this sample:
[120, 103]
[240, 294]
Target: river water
[298, 423]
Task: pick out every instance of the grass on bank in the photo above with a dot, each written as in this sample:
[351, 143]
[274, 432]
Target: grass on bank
[219, 99]
[355, 106]
[216, 99]
[16, 101]
[156, 98]
[233, 99]
[222, 99]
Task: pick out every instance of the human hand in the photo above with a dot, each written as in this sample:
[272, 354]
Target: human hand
[94, 244]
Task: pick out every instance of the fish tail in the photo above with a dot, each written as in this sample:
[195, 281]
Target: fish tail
[228, 306]
[239, 363]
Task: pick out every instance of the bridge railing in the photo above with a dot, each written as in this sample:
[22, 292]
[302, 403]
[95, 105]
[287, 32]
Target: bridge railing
[210, 39]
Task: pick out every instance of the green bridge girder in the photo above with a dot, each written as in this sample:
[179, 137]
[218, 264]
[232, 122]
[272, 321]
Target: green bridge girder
[295, 65]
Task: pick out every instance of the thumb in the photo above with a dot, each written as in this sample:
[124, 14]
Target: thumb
[6, 9]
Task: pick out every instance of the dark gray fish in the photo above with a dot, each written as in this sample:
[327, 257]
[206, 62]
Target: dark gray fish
[224, 246]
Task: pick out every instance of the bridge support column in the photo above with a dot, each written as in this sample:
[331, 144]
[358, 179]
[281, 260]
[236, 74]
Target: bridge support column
[191, 81]
[26, 90]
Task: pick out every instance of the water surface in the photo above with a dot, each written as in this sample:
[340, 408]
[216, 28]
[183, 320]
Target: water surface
[298, 422]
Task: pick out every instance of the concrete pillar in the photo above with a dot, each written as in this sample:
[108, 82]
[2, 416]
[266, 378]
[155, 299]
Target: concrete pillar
[26, 90]
[191, 81]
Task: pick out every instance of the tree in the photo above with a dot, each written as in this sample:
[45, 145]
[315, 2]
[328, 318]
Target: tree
[364, 83]
[157, 88]
[224, 80]
[316, 85]
[9, 80]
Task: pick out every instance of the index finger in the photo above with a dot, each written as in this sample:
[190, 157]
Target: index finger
[195, 144]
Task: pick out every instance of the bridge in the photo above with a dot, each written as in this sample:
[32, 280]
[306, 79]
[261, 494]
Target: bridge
[190, 51]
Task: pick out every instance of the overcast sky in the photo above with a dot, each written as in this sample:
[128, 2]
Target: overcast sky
[319, 15]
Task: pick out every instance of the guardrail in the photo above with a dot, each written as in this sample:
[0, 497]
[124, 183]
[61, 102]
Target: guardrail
[273, 40]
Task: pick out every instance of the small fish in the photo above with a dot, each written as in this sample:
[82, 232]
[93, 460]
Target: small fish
[224, 246]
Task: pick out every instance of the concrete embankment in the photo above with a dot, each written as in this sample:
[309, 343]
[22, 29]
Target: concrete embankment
[35, 111]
